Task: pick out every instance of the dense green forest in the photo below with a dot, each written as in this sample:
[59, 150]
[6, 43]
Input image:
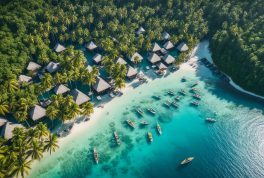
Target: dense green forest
[29, 30]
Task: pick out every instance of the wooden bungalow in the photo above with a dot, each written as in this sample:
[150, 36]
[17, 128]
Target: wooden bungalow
[32, 66]
[52, 67]
[37, 112]
[155, 47]
[59, 48]
[98, 58]
[168, 45]
[154, 58]
[121, 61]
[182, 47]
[7, 130]
[91, 46]
[79, 97]
[168, 59]
[135, 55]
[101, 86]
[131, 72]
[24, 78]
[61, 89]
[165, 35]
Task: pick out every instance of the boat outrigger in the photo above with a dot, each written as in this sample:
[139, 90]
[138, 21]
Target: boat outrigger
[197, 96]
[118, 142]
[140, 111]
[152, 111]
[187, 160]
[177, 98]
[175, 104]
[170, 92]
[194, 103]
[130, 123]
[96, 155]
[211, 120]
[144, 123]
[182, 92]
[150, 137]
[159, 129]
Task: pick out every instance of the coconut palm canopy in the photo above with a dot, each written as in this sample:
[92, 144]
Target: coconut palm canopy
[165, 35]
[140, 31]
[101, 85]
[168, 59]
[168, 45]
[155, 47]
[61, 89]
[32, 66]
[59, 48]
[97, 58]
[7, 130]
[131, 72]
[91, 45]
[52, 67]
[24, 78]
[2, 121]
[79, 97]
[37, 112]
[161, 66]
[132, 58]
[182, 47]
[121, 61]
[154, 58]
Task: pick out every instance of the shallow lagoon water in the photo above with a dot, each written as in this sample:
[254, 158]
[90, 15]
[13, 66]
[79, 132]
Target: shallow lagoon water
[231, 147]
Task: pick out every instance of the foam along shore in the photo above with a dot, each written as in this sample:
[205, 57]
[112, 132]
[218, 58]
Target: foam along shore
[205, 53]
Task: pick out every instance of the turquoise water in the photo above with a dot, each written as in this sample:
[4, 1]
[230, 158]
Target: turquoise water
[231, 147]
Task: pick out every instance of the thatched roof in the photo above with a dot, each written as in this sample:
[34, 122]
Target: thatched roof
[89, 68]
[168, 45]
[24, 78]
[32, 66]
[97, 58]
[2, 121]
[60, 89]
[182, 47]
[132, 58]
[155, 47]
[161, 66]
[153, 58]
[7, 130]
[37, 112]
[168, 59]
[52, 67]
[120, 60]
[131, 72]
[101, 85]
[140, 31]
[165, 35]
[79, 97]
[59, 48]
[91, 45]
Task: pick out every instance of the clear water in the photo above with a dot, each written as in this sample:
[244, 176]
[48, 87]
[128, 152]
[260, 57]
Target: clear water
[231, 147]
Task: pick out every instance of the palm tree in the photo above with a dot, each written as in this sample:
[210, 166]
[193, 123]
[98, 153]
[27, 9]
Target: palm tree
[90, 79]
[36, 149]
[12, 85]
[120, 83]
[4, 108]
[20, 166]
[52, 112]
[46, 81]
[42, 130]
[51, 144]
[137, 60]
[87, 108]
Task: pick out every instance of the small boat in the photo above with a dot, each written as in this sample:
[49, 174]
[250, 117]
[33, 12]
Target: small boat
[150, 137]
[193, 89]
[175, 104]
[196, 96]
[182, 92]
[159, 129]
[117, 138]
[140, 111]
[96, 155]
[152, 111]
[187, 160]
[167, 103]
[177, 98]
[183, 79]
[193, 85]
[130, 123]
[194, 103]
[211, 120]
[170, 92]
[144, 123]
[157, 97]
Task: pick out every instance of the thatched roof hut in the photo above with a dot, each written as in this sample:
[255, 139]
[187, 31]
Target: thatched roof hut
[161, 66]
[165, 35]
[37, 112]
[154, 58]
[61, 89]
[132, 58]
[98, 58]
[91, 46]
[24, 78]
[168, 59]
[52, 67]
[2, 121]
[32, 66]
[168, 45]
[120, 60]
[7, 130]
[155, 47]
[140, 31]
[59, 48]
[101, 85]
[79, 97]
[131, 72]
[182, 47]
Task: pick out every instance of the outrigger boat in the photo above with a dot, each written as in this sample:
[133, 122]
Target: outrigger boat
[151, 110]
[182, 92]
[196, 96]
[144, 123]
[139, 111]
[117, 138]
[187, 160]
[159, 129]
[96, 155]
[195, 103]
[167, 103]
[175, 104]
[157, 97]
[193, 85]
[211, 120]
[130, 123]
[150, 137]
[170, 92]
[177, 98]
[193, 89]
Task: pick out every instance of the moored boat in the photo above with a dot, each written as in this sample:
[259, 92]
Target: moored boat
[96, 155]
[144, 123]
[183, 79]
[130, 123]
[150, 137]
[187, 160]
[197, 96]
[170, 92]
[182, 92]
[167, 104]
[177, 98]
[157, 97]
[159, 129]
[175, 104]
[152, 111]
[211, 120]
[118, 142]
[194, 103]
[193, 89]
[193, 85]
[140, 111]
